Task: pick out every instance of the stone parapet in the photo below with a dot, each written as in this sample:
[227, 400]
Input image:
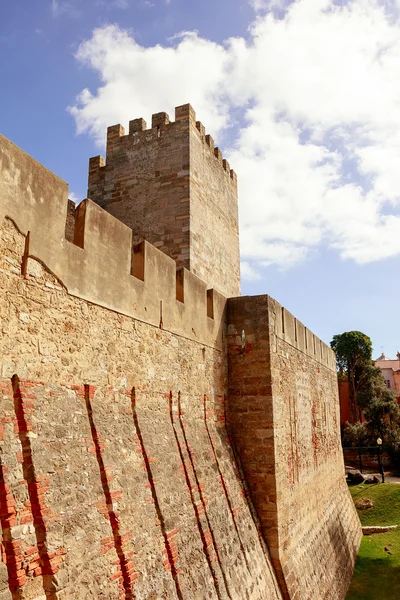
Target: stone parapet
[101, 263]
[287, 328]
[160, 126]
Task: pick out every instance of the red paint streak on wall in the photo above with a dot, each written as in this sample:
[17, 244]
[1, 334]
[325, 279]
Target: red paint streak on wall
[203, 500]
[197, 510]
[47, 563]
[125, 574]
[207, 414]
[170, 552]
[11, 551]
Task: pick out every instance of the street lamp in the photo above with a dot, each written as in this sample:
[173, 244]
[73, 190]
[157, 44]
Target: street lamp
[380, 463]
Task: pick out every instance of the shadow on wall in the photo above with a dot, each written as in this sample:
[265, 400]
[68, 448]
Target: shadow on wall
[11, 553]
[204, 533]
[195, 469]
[226, 493]
[341, 552]
[23, 409]
[127, 572]
[170, 546]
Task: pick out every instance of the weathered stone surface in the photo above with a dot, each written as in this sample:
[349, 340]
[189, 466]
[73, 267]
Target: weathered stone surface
[118, 476]
[123, 489]
[166, 183]
[98, 266]
[284, 415]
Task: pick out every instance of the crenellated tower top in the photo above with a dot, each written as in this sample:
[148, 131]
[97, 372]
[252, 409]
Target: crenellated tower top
[174, 189]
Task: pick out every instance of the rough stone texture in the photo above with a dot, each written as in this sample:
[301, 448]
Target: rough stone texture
[166, 183]
[118, 478]
[110, 487]
[99, 265]
[284, 416]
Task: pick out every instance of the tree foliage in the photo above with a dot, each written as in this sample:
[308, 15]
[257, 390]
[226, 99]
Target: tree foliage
[353, 355]
[369, 395]
[355, 434]
[353, 350]
[378, 404]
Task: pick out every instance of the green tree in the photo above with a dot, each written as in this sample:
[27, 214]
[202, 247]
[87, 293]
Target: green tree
[355, 434]
[378, 404]
[353, 354]
[369, 395]
[382, 414]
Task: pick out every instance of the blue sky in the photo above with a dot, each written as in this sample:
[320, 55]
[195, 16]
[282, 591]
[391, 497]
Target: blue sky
[302, 96]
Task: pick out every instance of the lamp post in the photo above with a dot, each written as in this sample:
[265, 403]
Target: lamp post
[380, 463]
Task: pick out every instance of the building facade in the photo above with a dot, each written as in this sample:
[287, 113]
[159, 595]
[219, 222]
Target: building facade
[391, 372]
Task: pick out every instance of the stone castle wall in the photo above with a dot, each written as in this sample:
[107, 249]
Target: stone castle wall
[284, 417]
[165, 183]
[118, 475]
[99, 265]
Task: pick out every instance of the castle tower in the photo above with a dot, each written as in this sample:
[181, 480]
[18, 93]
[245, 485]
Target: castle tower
[173, 188]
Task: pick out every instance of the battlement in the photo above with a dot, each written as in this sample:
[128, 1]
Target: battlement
[282, 324]
[161, 126]
[94, 255]
[161, 182]
[99, 262]
[292, 331]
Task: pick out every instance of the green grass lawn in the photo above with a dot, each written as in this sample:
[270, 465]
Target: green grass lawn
[377, 573]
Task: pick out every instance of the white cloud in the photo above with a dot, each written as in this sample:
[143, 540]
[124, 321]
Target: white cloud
[265, 5]
[74, 198]
[317, 147]
[248, 272]
[149, 80]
